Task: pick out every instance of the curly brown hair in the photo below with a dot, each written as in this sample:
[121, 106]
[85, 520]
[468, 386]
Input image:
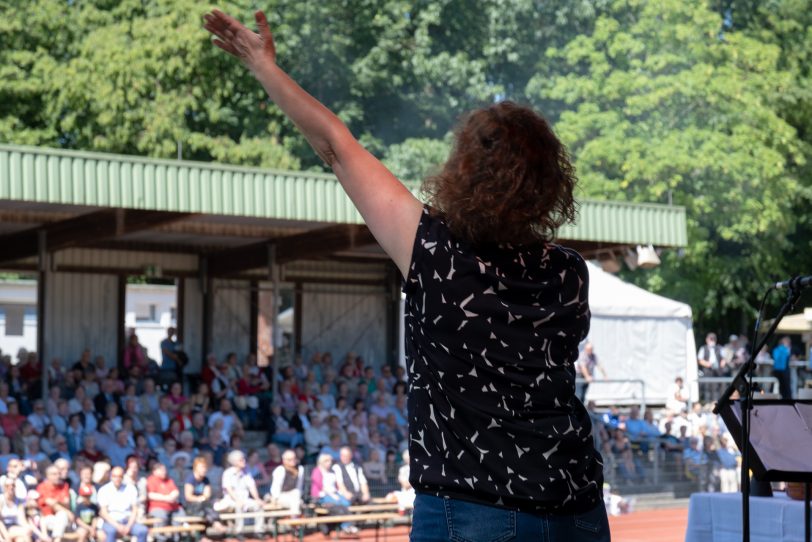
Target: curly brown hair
[508, 178]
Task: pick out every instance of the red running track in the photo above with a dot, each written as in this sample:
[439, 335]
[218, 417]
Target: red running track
[667, 525]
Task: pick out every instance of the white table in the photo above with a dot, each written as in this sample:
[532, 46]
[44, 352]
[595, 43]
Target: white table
[717, 517]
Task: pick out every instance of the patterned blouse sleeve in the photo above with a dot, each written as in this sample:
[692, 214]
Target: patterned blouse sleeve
[430, 231]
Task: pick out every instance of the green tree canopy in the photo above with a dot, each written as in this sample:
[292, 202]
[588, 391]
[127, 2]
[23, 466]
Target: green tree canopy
[661, 103]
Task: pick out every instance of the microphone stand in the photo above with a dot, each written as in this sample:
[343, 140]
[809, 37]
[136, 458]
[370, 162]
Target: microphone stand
[743, 384]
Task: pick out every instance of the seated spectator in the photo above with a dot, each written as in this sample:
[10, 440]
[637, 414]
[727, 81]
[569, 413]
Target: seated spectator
[11, 422]
[199, 430]
[352, 483]
[166, 452]
[326, 397]
[728, 458]
[324, 489]
[86, 481]
[164, 416]
[359, 427]
[239, 490]
[34, 454]
[641, 431]
[282, 432]
[319, 411]
[23, 438]
[374, 468]
[381, 408]
[405, 496]
[39, 419]
[274, 457]
[61, 417]
[54, 503]
[231, 423]
[111, 414]
[198, 495]
[154, 439]
[287, 483]
[13, 524]
[120, 450]
[180, 462]
[33, 522]
[118, 507]
[256, 469]
[334, 427]
[629, 468]
[89, 420]
[87, 512]
[162, 495]
[106, 395]
[6, 454]
[131, 414]
[176, 398]
[248, 387]
[186, 441]
[316, 437]
[15, 468]
[694, 460]
[61, 449]
[136, 362]
[341, 410]
[333, 449]
[100, 367]
[200, 401]
[677, 400]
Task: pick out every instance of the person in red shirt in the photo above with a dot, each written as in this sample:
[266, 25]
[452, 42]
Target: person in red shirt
[89, 451]
[162, 495]
[54, 505]
[11, 422]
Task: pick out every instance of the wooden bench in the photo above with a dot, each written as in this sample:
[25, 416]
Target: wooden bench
[365, 508]
[300, 523]
[193, 529]
[272, 515]
[188, 519]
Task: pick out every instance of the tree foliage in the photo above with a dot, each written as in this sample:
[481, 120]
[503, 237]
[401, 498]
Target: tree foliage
[662, 103]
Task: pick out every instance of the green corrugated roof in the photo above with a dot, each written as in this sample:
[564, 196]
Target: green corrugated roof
[44, 175]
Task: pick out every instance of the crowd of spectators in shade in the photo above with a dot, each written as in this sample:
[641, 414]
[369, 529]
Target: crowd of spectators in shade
[335, 434]
[684, 444]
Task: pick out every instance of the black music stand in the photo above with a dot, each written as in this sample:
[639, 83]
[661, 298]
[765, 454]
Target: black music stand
[779, 444]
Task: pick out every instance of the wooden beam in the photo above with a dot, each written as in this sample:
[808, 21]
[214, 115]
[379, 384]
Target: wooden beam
[83, 229]
[290, 248]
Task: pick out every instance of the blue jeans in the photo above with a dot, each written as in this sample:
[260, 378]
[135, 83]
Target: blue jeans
[440, 520]
[138, 531]
[338, 500]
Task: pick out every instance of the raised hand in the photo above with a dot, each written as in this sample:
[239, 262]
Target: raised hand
[233, 37]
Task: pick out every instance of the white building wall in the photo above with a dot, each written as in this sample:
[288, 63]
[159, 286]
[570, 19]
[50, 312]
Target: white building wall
[20, 297]
[231, 331]
[80, 312]
[341, 319]
[193, 324]
[150, 300]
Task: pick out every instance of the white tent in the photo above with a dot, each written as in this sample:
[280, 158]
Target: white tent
[638, 335]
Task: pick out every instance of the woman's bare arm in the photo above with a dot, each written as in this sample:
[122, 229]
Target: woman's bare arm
[390, 211]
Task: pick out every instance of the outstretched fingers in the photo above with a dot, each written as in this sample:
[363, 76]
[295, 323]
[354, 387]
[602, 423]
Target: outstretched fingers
[265, 33]
[222, 26]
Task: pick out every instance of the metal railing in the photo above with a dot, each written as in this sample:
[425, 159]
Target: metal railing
[638, 381]
[711, 387]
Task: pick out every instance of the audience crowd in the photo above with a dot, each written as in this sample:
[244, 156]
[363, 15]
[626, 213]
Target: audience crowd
[123, 444]
[105, 447]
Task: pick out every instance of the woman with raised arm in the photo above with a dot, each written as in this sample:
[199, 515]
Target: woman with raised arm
[500, 446]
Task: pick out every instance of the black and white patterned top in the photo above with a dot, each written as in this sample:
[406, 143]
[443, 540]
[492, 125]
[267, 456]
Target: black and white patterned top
[492, 335]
